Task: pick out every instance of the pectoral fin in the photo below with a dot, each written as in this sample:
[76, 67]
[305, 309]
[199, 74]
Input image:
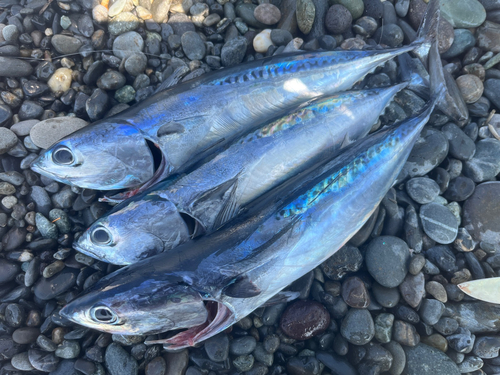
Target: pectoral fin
[242, 287]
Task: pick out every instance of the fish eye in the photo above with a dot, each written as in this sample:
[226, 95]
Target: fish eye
[63, 155]
[100, 236]
[103, 314]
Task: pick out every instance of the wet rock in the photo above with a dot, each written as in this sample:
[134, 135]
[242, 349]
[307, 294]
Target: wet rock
[304, 319]
[43, 361]
[387, 260]
[46, 289]
[65, 44]
[390, 35]
[119, 362]
[346, 259]
[383, 327]
[335, 363]
[354, 293]
[479, 213]
[21, 362]
[486, 347]
[10, 67]
[439, 223]
[413, 289]
[423, 190]
[459, 189]
[243, 345]
[358, 327]
[425, 360]
[111, 80]
[405, 333]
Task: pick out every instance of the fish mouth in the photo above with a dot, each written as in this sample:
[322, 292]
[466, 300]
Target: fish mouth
[219, 318]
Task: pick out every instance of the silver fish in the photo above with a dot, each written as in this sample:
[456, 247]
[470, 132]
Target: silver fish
[220, 278]
[217, 191]
[487, 290]
[193, 120]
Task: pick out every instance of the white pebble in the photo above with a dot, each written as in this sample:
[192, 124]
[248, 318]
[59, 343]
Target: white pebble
[60, 81]
[262, 41]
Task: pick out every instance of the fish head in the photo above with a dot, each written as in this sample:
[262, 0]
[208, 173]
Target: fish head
[146, 307]
[104, 156]
[128, 234]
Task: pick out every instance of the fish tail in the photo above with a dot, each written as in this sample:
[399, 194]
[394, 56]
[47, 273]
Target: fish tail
[428, 31]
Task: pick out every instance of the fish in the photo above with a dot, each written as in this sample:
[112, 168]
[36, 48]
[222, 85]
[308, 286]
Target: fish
[176, 128]
[202, 201]
[206, 285]
[484, 289]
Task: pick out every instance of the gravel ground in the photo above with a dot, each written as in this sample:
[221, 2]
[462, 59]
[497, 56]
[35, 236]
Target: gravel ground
[387, 302]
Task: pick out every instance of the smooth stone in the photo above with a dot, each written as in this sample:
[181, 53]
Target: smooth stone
[338, 19]
[436, 290]
[242, 345]
[111, 80]
[443, 257]
[10, 67]
[7, 140]
[463, 13]
[387, 260]
[123, 23]
[21, 362]
[97, 104]
[47, 132]
[159, 9]
[25, 335]
[8, 271]
[459, 189]
[386, 297]
[471, 87]
[429, 151]
[470, 364]
[217, 347]
[65, 44]
[446, 326]
[422, 190]
[390, 35]
[66, 367]
[304, 319]
[68, 349]
[477, 317]
[358, 327]
[60, 81]
[436, 341]
[461, 146]
[488, 37]
[413, 289]
[398, 358]
[439, 223]
[486, 347]
[135, 64]
[338, 365]
[46, 289]
[42, 360]
[119, 362]
[480, 213]
[302, 365]
[306, 12]
[193, 46]
[262, 41]
[405, 333]
[426, 360]
[431, 311]
[485, 164]
[177, 362]
[354, 293]
[356, 7]
[127, 44]
[244, 363]
[268, 14]
[247, 13]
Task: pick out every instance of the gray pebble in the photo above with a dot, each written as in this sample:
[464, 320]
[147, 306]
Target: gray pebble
[243, 345]
[127, 44]
[7, 140]
[47, 229]
[217, 347]
[387, 260]
[431, 311]
[423, 190]
[439, 223]
[119, 362]
[358, 327]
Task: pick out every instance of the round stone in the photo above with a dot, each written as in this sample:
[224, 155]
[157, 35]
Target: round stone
[233, 51]
[439, 223]
[463, 13]
[47, 132]
[304, 319]
[459, 189]
[135, 64]
[193, 46]
[338, 19]
[480, 213]
[10, 67]
[471, 87]
[42, 360]
[127, 44]
[356, 7]
[119, 362]
[111, 80]
[65, 44]
[7, 140]
[122, 23]
[358, 327]
[25, 335]
[354, 293]
[60, 81]
[422, 190]
[387, 259]
[390, 35]
[268, 14]
[426, 360]
[462, 147]
[262, 41]
[485, 164]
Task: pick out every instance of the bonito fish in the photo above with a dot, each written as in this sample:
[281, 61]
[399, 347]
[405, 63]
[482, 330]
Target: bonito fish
[195, 119]
[216, 192]
[209, 284]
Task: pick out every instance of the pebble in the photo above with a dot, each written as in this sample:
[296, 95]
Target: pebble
[338, 19]
[47, 132]
[429, 151]
[405, 333]
[431, 311]
[358, 327]
[135, 63]
[419, 357]
[46, 289]
[111, 80]
[10, 33]
[337, 364]
[123, 23]
[423, 190]
[21, 362]
[460, 189]
[244, 363]
[387, 260]
[470, 364]
[25, 335]
[7, 140]
[193, 46]
[413, 289]
[387, 297]
[268, 14]
[8, 271]
[471, 87]
[383, 327]
[462, 147]
[60, 81]
[390, 35]
[436, 290]
[43, 361]
[10, 67]
[354, 293]
[68, 349]
[305, 15]
[304, 319]
[485, 164]
[119, 362]
[439, 223]
[65, 44]
[127, 44]
[217, 347]
[480, 213]
[243, 345]
[262, 41]
[346, 259]
[463, 13]
[247, 13]
[47, 229]
[486, 347]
